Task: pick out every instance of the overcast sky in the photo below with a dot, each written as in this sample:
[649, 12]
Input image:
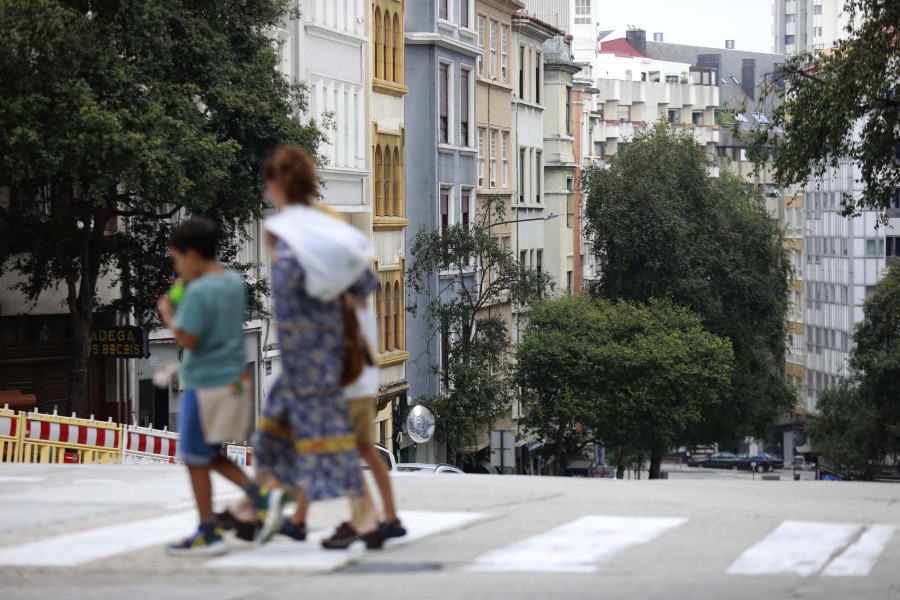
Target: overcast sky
[697, 22]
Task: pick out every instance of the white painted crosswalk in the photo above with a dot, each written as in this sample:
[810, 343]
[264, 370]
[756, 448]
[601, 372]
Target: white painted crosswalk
[583, 545]
[805, 548]
[576, 547]
[287, 554]
[74, 549]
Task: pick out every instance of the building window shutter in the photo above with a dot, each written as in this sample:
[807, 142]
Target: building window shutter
[464, 13]
[464, 107]
[466, 200]
[442, 9]
[444, 105]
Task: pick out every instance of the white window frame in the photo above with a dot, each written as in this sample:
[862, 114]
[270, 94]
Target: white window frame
[451, 204]
[504, 56]
[479, 24]
[492, 41]
[470, 141]
[481, 153]
[504, 159]
[451, 90]
[492, 158]
[582, 12]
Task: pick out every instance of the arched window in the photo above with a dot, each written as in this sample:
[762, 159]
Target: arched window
[398, 183]
[388, 47]
[379, 182]
[379, 303]
[388, 183]
[388, 324]
[379, 45]
[398, 50]
[398, 315]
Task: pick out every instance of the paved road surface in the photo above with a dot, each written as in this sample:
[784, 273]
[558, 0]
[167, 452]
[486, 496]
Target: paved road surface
[97, 532]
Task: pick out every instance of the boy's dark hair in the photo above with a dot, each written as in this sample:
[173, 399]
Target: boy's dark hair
[200, 234]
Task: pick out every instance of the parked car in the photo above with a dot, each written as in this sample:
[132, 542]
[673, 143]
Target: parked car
[427, 468]
[763, 462]
[717, 460]
[386, 455]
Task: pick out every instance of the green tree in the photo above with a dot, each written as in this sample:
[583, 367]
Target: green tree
[839, 104]
[859, 422]
[664, 228]
[134, 114]
[635, 376]
[462, 277]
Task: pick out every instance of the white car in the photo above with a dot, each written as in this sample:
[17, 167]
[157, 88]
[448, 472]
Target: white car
[427, 468]
[386, 455]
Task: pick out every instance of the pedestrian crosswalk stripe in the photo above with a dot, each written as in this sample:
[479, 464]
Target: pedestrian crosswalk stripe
[860, 557]
[799, 547]
[288, 554]
[73, 549]
[575, 547]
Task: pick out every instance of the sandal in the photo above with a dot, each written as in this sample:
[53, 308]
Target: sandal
[375, 539]
[342, 538]
[242, 529]
[394, 529]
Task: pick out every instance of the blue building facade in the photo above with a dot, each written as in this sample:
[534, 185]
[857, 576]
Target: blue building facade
[441, 57]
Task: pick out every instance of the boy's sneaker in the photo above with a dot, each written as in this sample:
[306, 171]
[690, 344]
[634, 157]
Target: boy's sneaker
[242, 529]
[295, 532]
[270, 514]
[200, 544]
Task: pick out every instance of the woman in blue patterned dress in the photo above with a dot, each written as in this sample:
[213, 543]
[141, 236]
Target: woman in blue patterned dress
[305, 436]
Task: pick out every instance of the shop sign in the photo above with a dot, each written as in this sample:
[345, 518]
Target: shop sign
[117, 342]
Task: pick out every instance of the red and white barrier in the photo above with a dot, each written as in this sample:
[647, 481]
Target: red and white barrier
[56, 439]
[10, 427]
[73, 434]
[145, 445]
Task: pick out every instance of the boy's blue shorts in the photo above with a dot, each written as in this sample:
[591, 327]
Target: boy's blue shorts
[192, 446]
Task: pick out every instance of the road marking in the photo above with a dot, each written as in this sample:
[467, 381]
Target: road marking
[95, 481]
[71, 550]
[17, 479]
[860, 557]
[575, 547]
[283, 553]
[797, 547]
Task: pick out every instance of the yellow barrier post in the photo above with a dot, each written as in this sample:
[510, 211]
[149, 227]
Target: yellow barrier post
[50, 436]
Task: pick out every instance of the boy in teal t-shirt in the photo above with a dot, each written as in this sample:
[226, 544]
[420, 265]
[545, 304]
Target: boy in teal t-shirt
[208, 324]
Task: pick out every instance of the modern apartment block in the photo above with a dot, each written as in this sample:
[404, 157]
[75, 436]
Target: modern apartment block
[637, 90]
[387, 207]
[442, 52]
[807, 25]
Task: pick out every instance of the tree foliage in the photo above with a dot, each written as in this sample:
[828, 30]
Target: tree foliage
[464, 276]
[859, 422]
[635, 376]
[839, 104]
[664, 228]
[139, 112]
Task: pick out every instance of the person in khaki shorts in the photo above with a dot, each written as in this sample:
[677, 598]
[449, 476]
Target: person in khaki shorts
[361, 395]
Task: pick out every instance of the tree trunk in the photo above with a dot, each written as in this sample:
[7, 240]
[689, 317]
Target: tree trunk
[82, 293]
[81, 355]
[620, 467]
[655, 463]
[560, 434]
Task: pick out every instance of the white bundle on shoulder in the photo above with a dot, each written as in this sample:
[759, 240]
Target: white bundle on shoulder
[333, 254]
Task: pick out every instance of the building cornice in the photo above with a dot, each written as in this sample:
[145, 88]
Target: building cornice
[335, 35]
[436, 39]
